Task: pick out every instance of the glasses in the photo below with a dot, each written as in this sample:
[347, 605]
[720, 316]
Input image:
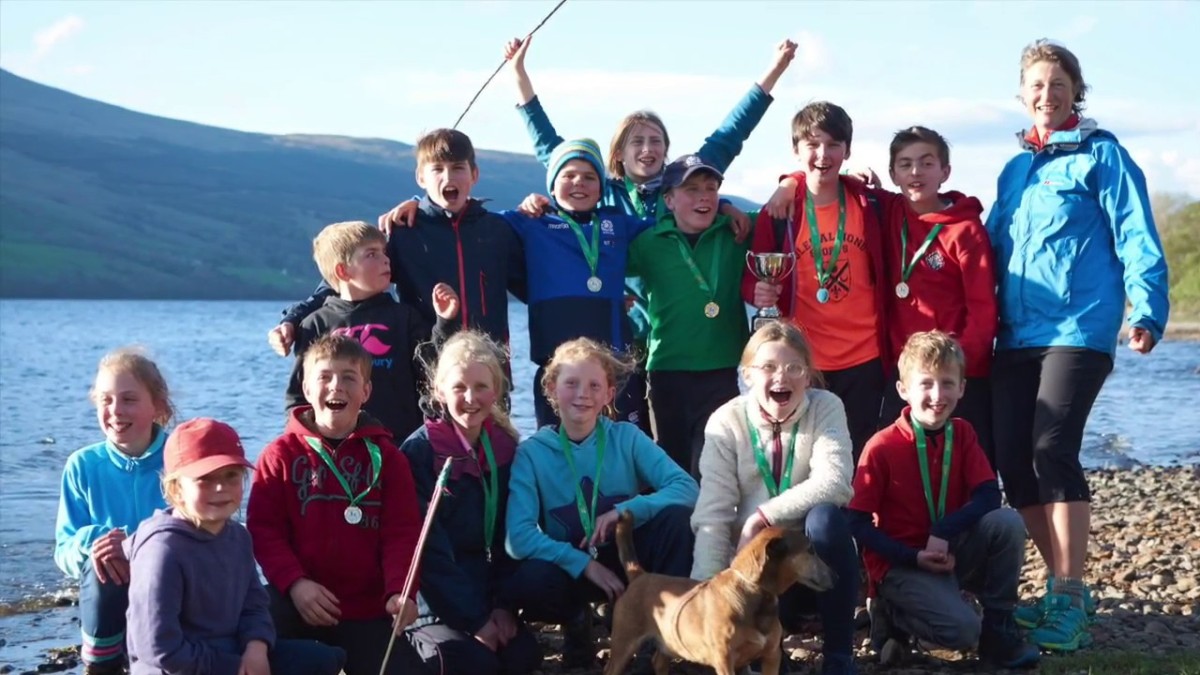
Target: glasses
[793, 369]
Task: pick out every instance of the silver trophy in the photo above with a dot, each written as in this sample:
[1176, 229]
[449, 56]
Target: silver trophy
[772, 268]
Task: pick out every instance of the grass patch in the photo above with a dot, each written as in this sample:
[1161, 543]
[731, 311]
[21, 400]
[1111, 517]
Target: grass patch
[1121, 663]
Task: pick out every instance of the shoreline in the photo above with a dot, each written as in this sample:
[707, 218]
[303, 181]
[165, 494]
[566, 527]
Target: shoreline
[1144, 566]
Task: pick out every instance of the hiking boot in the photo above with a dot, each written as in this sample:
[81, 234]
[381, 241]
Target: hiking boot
[1031, 616]
[1063, 627]
[1001, 644]
[579, 647]
[888, 641]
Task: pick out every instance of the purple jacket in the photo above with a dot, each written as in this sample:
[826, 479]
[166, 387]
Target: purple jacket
[195, 599]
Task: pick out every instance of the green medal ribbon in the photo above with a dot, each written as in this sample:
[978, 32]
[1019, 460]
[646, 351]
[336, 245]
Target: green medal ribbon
[639, 204]
[376, 463]
[586, 518]
[491, 493]
[714, 268]
[590, 253]
[760, 458]
[810, 214]
[919, 431]
[906, 268]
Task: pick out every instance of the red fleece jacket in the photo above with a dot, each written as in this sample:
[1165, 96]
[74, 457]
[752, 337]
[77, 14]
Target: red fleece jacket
[296, 517]
[952, 286]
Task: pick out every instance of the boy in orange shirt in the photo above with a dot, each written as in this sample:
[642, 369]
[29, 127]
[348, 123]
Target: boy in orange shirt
[835, 294]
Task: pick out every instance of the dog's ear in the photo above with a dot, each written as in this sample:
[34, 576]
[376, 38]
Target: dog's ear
[778, 548]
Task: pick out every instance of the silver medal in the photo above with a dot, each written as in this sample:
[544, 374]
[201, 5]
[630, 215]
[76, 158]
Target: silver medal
[353, 515]
[901, 290]
[822, 295]
[594, 284]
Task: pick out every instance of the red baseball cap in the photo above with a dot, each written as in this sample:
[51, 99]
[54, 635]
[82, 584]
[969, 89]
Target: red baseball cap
[201, 446]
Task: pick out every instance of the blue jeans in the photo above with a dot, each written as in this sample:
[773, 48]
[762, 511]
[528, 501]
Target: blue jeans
[101, 618]
[294, 657]
[828, 528]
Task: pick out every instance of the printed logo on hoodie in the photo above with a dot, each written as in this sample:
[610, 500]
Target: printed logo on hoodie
[368, 335]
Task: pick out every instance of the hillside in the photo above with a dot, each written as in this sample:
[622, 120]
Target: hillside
[101, 201]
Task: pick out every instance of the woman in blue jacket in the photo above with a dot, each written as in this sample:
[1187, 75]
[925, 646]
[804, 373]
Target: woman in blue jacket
[1074, 240]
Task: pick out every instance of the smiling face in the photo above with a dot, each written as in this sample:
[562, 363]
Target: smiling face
[644, 152]
[932, 393]
[368, 273]
[467, 392]
[919, 173]
[577, 186]
[336, 389]
[1048, 94]
[125, 410]
[580, 392]
[694, 202]
[777, 377]
[212, 499]
[821, 156]
[448, 183]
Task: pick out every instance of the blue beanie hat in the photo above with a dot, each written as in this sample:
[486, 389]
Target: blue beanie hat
[582, 148]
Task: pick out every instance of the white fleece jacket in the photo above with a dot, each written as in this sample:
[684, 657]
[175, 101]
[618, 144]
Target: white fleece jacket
[731, 487]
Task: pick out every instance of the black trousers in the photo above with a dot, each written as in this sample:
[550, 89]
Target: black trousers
[680, 405]
[861, 390]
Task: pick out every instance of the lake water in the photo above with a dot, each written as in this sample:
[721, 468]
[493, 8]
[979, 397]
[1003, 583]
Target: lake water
[217, 362]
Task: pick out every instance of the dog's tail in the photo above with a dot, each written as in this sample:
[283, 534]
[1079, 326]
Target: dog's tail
[633, 569]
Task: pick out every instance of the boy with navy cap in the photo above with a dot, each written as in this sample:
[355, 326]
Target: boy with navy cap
[690, 264]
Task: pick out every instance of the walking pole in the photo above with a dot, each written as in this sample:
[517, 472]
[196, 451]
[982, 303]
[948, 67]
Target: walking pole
[438, 487]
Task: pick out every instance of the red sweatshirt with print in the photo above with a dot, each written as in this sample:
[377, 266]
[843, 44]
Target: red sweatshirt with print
[952, 287]
[296, 516]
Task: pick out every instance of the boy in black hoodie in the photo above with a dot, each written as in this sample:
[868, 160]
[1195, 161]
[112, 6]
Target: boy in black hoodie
[352, 259]
[455, 241]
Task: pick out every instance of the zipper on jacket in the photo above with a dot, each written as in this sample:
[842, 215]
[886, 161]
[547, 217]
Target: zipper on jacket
[462, 279]
[482, 292]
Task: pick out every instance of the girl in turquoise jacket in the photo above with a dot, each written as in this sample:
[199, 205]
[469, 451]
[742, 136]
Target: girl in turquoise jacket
[108, 489]
[1074, 239]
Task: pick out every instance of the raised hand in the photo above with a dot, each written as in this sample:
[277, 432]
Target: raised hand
[282, 337]
[445, 301]
[403, 214]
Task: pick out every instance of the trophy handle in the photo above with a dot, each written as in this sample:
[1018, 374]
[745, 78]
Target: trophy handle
[750, 261]
[790, 265]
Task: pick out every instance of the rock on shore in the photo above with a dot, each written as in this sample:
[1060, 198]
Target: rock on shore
[1144, 568]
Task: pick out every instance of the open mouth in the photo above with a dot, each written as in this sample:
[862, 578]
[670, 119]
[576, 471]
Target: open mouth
[780, 395]
[450, 193]
[336, 404]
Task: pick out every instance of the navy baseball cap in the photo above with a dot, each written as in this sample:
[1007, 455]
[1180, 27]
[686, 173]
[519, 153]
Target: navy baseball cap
[679, 170]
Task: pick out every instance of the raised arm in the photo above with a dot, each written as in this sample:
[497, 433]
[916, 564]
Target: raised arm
[726, 142]
[545, 138]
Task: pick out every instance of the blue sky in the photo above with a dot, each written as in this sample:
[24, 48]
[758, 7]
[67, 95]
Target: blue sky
[393, 69]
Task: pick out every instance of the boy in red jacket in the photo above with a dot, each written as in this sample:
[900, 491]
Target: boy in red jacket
[926, 513]
[334, 518]
[939, 266]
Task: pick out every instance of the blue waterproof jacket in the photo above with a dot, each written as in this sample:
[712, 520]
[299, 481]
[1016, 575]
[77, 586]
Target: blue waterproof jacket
[719, 149]
[103, 489]
[1074, 238]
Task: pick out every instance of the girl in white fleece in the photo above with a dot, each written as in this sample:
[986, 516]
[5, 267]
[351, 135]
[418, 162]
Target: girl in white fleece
[780, 455]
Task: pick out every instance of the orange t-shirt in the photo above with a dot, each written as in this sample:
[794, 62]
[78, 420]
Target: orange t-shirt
[842, 331]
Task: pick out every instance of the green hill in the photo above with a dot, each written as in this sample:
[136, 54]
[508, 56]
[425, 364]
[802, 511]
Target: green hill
[100, 201]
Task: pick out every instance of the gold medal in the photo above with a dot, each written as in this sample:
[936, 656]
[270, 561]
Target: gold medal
[711, 310]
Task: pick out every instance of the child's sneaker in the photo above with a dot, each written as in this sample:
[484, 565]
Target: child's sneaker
[1001, 645]
[1031, 615]
[1063, 627]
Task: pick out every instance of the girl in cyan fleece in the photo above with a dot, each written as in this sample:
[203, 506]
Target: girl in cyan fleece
[107, 489]
[461, 627]
[196, 606]
[571, 482]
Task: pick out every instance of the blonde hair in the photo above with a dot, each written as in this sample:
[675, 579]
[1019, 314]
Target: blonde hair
[616, 149]
[339, 347]
[133, 360]
[931, 351]
[171, 495]
[462, 349]
[617, 367]
[336, 244]
[1046, 50]
[788, 334]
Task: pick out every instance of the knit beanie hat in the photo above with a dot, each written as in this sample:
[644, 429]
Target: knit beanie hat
[582, 148]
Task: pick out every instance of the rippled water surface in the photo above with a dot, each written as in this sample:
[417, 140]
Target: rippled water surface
[217, 363]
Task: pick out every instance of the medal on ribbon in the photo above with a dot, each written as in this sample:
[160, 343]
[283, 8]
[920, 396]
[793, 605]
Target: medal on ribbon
[709, 285]
[923, 462]
[353, 514]
[825, 271]
[764, 468]
[907, 266]
[587, 517]
[591, 251]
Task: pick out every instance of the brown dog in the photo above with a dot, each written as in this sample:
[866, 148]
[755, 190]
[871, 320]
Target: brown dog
[726, 622]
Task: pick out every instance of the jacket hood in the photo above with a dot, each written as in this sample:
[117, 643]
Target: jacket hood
[447, 445]
[300, 423]
[165, 521]
[150, 460]
[345, 306]
[962, 209]
[473, 210]
[1066, 140]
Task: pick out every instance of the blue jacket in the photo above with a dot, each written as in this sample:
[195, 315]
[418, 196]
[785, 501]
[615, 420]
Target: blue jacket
[543, 517]
[104, 489]
[719, 149]
[1074, 238]
[560, 305]
[195, 600]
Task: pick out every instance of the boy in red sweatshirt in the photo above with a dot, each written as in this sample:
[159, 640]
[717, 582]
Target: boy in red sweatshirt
[334, 518]
[939, 265]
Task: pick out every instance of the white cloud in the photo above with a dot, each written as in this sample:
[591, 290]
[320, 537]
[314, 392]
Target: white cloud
[1079, 27]
[53, 35]
[813, 56]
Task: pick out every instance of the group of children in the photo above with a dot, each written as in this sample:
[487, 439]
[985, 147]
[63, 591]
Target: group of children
[386, 392]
